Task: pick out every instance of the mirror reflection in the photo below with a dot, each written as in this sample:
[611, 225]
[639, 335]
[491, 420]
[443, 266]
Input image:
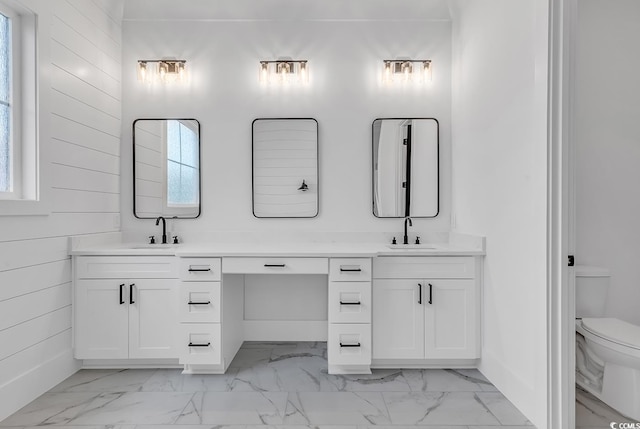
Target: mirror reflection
[166, 168]
[405, 167]
[285, 168]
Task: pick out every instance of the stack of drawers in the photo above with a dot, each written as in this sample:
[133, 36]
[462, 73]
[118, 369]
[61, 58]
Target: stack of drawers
[200, 338]
[349, 342]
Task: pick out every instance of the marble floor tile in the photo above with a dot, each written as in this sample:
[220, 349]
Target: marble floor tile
[437, 408]
[134, 408]
[172, 380]
[248, 357]
[447, 380]
[591, 412]
[502, 409]
[336, 408]
[105, 380]
[380, 380]
[51, 409]
[233, 408]
[86, 427]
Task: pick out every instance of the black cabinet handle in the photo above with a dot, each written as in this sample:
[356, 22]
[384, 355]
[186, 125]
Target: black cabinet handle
[349, 302]
[419, 293]
[274, 265]
[430, 293]
[121, 294]
[350, 270]
[199, 302]
[350, 345]
[131, 286]
[199, 270]
[199, 345]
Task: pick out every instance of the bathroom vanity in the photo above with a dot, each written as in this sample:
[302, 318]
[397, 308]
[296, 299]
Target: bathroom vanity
[137, 305]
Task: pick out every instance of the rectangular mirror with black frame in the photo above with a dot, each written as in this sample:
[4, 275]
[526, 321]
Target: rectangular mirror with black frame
[405, 167]
[166, 168]
[285, 167]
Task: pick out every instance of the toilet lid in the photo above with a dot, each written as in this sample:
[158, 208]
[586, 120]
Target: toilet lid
[615, 330]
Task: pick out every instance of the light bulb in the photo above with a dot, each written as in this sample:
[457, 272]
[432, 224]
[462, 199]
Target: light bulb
[426, 72]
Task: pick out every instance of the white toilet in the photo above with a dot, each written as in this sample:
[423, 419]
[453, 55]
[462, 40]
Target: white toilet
[607, 349]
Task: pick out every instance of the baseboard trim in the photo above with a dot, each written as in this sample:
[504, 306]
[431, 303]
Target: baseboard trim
[26, 387]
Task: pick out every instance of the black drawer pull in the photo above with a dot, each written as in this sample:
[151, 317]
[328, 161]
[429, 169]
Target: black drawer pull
[121, 294]
[274, 265]
[419, 293]
[350, 345]
[430, 293]
[350, 270]
[131, 286]
[199, 345]
[199, 270]
[350, 303]
[199, 302]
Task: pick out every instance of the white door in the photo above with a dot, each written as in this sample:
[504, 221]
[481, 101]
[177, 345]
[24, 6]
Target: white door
[398, 319]
[101, 324]
[450, 319]
[153, 318]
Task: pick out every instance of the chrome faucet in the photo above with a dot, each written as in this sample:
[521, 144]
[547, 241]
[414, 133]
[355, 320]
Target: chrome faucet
[164, 228]
[406, 237]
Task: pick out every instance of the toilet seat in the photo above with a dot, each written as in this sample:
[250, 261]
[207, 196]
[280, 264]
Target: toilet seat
[614, 330]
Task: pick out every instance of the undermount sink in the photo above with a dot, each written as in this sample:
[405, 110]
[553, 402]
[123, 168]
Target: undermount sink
[412, 246]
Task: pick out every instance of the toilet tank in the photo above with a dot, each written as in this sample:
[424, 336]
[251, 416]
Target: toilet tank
[592, 285]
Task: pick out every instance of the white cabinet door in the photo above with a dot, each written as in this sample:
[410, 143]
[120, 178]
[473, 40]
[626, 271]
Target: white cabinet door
[398, 320]
[153, 318]
[101, 322]
[450, 319]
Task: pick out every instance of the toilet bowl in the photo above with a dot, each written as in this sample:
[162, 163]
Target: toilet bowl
[607, 349]
[608, 362]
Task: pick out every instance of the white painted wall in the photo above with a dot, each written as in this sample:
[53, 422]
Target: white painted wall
[499, 183]
[81, 79]
[345, 95]
[607, 145]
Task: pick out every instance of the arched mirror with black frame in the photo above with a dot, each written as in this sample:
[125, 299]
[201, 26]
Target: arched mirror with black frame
[406, 166]
[166, 168]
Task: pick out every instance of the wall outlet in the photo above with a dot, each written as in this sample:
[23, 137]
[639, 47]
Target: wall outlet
[116, 221]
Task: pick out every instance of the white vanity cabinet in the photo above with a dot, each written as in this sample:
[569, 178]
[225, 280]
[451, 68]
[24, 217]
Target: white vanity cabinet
[125, 307]
[349, 337]
[425, 308]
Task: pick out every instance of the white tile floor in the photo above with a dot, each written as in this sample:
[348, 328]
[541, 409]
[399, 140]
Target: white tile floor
[591, 413]
[271, 385]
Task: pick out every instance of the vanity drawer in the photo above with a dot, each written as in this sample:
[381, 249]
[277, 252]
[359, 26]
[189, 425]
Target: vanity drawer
[275, 266]
[349, 270]
[420, 267]
[129, 267]
[349, 302]
[200, 269]
[200, 343]
[349, 344]
[200, 302]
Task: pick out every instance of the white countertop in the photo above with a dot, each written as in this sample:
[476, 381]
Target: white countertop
[301, 249]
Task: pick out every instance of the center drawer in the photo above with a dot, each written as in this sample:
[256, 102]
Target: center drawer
[275, 265]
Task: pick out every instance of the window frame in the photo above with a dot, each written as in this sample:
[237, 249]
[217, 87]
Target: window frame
[34, 108]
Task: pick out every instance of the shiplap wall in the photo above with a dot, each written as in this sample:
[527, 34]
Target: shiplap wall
[35, 269]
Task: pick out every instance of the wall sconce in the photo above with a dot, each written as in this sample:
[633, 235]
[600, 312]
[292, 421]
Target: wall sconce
[163, 71]
[407, 71]
[284, 72]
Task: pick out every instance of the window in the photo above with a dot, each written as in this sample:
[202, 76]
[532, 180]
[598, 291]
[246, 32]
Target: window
[183, 175]
[7, 108]
[19, 80]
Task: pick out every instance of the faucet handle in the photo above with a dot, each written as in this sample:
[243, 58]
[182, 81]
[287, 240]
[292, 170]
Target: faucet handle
[394, 241]
[152, 239]
[175, 239]
[417, 240]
